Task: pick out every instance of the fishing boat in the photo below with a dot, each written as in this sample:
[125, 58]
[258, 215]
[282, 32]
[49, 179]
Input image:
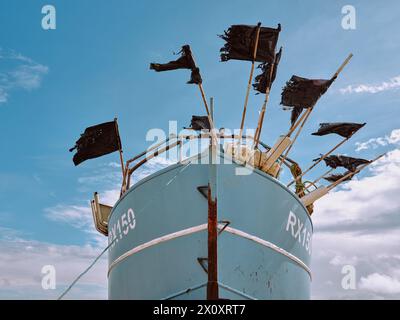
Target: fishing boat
[219, 224]
[162, 238]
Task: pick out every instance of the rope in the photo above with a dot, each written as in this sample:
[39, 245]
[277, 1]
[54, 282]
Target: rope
[111, 243]
[84, 272]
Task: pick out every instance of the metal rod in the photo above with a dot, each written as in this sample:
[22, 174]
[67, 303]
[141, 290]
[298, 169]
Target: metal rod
[246, 99]
[152, 148]
[212, 107]
[179, 141]
[212, 283]
[143, 161]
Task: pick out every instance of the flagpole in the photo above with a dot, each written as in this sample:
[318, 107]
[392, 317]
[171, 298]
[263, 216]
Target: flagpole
[264, 107]
[212, 107]
[350, 174]
[210, 119]
[212, 128]
[121, 158]
[292, 129]
[295, 138]
[249, 83]
[320, 159]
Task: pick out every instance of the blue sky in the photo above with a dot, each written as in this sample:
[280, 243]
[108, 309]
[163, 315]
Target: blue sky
[95, 66]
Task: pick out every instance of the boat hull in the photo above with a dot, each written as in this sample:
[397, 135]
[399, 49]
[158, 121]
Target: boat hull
[159, 234]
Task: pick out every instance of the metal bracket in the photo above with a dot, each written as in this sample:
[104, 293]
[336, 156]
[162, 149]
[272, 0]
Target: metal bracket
[226, 223]
[203, 190]
[202, 265]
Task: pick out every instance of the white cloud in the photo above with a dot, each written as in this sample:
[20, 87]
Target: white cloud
[3, 95]
[77, 216]
[19, 279]
[114, 164]
[340, 260]
[393, 138]
[380, 283]
[359, 225]
[27, 77]
[359, 201]
[21, 262]
[19, 72]
[393, 83]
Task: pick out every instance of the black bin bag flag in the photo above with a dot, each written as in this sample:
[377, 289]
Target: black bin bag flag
[344, 129]
[185, 61]
[240, 41]
[349, 163]
[96, 141]
[199, 123]
[300, 93]
[268, 74]
[336, 177]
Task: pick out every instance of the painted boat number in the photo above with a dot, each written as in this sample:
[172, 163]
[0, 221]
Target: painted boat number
[299, 231]
[121, 228]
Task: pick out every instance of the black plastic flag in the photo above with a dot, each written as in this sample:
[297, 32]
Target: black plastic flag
[199, 123]
[241, 39]
[96, 141]
[300, 93]
[344, 129]
[336, 177]
[267, 77]
[185, 61]
[349, 163]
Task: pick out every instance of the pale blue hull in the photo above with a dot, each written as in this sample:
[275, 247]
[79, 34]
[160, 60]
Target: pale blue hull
[263, 254]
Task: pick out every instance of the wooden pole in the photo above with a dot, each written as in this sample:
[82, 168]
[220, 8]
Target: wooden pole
[212, 107]
[212, 128]
[345, 62]
[203, 96]
[249, 82]
[292, 129]
[295, 137]
[263, 109]
[121, 159]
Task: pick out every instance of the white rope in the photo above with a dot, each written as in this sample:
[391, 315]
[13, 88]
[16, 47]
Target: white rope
[84, 272]
[98, 257]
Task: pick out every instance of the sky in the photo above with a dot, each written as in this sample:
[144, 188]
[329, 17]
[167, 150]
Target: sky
[95, 66]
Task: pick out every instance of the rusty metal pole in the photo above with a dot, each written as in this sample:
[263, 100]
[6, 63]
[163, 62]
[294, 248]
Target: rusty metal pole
[212, 283]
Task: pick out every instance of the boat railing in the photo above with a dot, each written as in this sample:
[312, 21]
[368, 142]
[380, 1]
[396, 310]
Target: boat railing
[178, 141]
